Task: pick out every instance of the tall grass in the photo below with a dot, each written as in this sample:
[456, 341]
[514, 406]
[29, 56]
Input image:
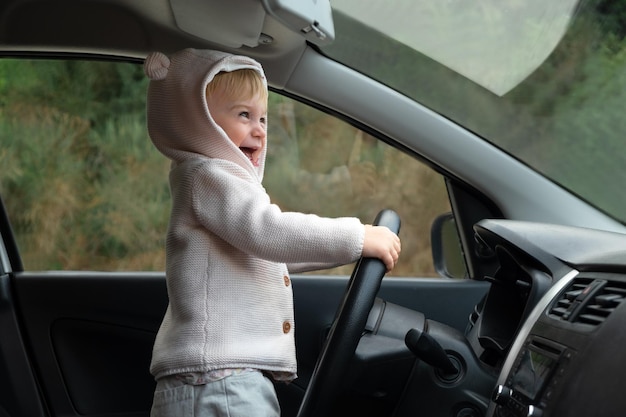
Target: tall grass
[83, 186]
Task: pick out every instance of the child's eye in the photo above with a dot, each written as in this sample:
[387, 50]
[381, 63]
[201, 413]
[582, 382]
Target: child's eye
[263, 120]
[244, 114]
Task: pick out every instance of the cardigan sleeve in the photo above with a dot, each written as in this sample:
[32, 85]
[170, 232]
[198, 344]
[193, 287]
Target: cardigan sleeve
[240, 212]
[295, 268]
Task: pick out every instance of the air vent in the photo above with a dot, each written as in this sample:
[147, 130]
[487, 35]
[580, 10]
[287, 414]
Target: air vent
[589, 301]
[602, 303]
[570, 299]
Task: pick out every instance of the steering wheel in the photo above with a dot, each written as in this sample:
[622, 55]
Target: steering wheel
[350, 319]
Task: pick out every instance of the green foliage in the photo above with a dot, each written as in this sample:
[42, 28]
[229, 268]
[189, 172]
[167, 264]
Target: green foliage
[75, 157]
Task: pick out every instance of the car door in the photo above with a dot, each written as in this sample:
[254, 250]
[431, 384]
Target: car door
[84, 213]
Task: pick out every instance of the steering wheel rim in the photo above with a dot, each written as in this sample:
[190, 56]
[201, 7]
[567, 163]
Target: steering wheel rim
[347, 328]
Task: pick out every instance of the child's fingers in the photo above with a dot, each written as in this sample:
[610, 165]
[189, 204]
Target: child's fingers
[393, 255]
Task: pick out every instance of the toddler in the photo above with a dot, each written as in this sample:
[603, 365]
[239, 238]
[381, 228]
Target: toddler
[229, 327]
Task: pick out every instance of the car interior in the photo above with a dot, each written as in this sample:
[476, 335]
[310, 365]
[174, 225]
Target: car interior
[519, 312]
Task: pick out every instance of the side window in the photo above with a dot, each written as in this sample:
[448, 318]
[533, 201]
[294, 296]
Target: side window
[85, 189]
[83, 186]
[319, 164]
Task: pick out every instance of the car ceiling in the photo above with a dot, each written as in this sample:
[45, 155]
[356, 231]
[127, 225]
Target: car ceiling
[134, 28]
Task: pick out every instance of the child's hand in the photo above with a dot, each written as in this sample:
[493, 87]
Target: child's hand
[381, 243]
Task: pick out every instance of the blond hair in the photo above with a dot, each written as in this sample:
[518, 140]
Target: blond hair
[243, 83]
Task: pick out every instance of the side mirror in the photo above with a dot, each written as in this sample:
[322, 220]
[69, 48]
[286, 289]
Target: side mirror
[446, 247]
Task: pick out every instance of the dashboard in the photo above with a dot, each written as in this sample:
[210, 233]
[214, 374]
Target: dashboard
[545, 338]
[554, 320]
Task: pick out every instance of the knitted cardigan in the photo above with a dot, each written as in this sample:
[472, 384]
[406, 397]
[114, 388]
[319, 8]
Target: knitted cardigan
[229, 250]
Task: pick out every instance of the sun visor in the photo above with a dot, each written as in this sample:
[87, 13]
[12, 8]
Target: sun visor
[311, 18]
[231, 23]
[235, 23]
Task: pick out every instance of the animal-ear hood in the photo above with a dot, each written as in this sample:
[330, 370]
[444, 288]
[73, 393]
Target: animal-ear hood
[179, 122]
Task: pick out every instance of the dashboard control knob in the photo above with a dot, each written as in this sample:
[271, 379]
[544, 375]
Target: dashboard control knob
[426, 348]
[534, 411]
[501, 394]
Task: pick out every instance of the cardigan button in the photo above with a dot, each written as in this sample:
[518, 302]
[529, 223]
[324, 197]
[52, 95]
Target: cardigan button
[286, 327]
[287, 280]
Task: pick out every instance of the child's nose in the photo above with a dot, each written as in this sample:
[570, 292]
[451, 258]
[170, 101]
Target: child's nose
[259, 129]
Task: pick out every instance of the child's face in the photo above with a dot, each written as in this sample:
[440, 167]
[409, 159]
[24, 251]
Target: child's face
[243, 120]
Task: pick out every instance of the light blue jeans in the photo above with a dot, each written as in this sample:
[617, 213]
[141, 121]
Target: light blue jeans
[248, 394]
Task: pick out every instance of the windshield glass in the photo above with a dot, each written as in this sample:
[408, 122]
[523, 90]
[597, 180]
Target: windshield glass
[545, 81]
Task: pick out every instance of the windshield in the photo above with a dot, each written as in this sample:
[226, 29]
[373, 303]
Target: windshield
[545, 81]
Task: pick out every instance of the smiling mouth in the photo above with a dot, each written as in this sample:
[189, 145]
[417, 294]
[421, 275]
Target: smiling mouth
[249, 153]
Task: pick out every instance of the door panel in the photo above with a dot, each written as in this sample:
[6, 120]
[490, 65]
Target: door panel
[18, 391]
[90, 334]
